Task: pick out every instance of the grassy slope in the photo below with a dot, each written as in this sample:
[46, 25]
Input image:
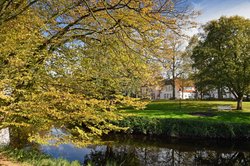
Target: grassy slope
[172, 109]
[27, 157]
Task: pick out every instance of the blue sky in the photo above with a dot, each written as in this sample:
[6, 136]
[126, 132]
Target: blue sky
[214, 9]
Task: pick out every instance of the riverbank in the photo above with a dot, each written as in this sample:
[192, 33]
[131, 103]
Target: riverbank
[175, 119]
[10, 156]
[138, 150]
[179, 128]
[189, 119]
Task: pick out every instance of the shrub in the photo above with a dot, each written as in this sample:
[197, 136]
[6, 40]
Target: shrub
[185, 128]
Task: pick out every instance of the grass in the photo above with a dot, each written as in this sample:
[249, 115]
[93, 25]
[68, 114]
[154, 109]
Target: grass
[189, 119]
[29, 157]
[168, 109]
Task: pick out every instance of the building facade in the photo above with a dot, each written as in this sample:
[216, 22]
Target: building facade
[165, 91]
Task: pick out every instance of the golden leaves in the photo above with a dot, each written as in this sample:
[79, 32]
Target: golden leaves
[68, 62]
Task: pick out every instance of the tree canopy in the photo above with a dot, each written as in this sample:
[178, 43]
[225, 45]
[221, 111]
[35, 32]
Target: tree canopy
[222, 56]
[70, 64]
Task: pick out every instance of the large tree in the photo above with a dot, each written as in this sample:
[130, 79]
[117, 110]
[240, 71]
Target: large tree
[223, 55]
[172, 59]
[175, 61]
[68, 63]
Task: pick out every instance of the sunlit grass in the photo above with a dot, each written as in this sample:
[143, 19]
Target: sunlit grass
[182, 109]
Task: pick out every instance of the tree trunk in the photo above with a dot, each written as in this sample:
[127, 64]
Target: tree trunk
[220, 96]
[173, 75]
[173, 89]
[201, 93]
[239, 103]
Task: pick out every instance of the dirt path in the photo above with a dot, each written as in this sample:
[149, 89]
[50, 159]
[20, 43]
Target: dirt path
[7, 162]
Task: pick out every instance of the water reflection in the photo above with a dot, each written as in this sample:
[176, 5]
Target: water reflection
[145, 151]
[70, 152]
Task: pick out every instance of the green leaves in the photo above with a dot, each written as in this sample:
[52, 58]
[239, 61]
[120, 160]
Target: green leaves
[222, 55]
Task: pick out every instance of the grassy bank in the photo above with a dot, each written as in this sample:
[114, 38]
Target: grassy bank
[29, 157]
[189, 119]
[186, 128]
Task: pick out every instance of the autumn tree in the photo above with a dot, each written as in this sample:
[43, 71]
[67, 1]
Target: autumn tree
[67, 63]
[175, 60]
[222, 55]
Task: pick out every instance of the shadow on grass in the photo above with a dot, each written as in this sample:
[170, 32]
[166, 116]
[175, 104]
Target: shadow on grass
[234, 117]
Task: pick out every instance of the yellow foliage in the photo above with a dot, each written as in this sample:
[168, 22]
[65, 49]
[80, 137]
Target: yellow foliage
[70, 65]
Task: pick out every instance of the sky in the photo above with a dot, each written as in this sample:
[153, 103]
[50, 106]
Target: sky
[214, 9]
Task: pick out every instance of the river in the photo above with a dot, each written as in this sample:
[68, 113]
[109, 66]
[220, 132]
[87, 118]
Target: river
[148, 151]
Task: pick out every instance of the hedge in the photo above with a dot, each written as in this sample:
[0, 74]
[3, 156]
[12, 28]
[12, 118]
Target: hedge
[185, 128]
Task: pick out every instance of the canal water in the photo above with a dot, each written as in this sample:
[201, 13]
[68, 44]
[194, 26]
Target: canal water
[146, 151]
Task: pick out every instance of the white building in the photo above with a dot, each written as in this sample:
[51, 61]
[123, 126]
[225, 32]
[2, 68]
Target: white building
[182, 91]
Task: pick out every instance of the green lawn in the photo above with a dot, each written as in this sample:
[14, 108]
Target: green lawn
[173, 109]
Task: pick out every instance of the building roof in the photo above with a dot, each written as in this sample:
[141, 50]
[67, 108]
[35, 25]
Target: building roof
[181, 84]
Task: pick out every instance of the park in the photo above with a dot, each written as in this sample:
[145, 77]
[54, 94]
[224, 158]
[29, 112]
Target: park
[192, 118]
[163, 120]
[124, 82]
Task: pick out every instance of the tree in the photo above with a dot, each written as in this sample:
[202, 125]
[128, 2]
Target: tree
[11, 9]
[222, 55]
[67, 63]
[175, 60]
[200, 83]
